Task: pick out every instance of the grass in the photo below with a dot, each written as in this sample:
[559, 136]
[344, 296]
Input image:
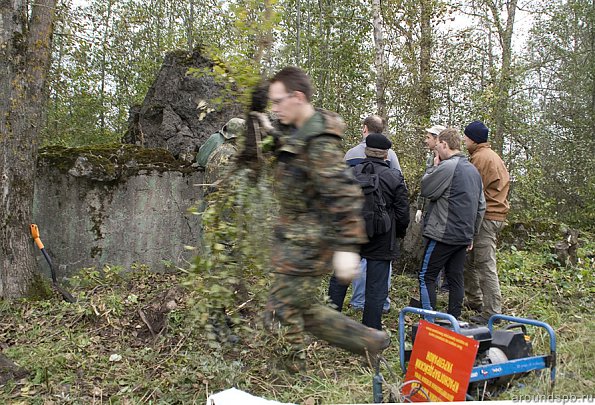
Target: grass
[101, 349]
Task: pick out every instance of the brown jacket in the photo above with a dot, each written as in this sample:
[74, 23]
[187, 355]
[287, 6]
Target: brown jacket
[496, 180]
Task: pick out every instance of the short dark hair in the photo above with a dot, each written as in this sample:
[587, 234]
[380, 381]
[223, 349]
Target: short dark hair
[452, 138]
[294, 79]
[375, 124]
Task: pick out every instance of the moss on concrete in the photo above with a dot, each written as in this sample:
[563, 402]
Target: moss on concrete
[97, 220]
[111, 161]
[96, 251]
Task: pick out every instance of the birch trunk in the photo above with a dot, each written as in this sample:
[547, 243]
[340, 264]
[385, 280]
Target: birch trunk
[379, 59]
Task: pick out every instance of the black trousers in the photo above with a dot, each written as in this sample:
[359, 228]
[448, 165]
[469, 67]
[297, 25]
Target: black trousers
[376, 292]
[337, 292]
[438, 255]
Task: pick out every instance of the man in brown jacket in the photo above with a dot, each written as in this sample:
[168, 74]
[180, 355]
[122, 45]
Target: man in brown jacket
[482, 287]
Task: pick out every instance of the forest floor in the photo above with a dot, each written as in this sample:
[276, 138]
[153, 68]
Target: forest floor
[133, 337]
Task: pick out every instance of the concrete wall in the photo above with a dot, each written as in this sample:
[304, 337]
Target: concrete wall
[141, 218]
[121, 205]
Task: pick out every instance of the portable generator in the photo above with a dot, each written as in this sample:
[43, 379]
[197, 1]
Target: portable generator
[502, 353]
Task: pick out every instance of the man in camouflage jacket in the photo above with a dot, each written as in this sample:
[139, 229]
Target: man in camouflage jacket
[319, 225]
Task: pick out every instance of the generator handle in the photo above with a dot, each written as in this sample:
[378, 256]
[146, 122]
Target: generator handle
[521, 326]
[531, 322]
[429, 316]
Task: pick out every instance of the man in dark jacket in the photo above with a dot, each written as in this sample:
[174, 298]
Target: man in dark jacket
[457, 204]
[373, 124]
[382, 248]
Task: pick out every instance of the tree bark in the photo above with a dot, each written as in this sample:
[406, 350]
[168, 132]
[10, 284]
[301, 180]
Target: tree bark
[24, 63]
[190, 27]
[298, 33]
[104, 46]
[501, 108]
[425, 63]
[592, 74]
[265, 37]
[379, 59]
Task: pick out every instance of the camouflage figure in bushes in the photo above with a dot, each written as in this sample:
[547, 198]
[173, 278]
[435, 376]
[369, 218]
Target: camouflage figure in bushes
[319, 225]
[226, 136]
[219, 159]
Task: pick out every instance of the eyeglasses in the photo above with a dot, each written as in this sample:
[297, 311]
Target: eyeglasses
[280, 100]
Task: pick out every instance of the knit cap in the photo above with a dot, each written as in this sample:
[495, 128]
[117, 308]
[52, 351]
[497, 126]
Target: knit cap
[477, 132]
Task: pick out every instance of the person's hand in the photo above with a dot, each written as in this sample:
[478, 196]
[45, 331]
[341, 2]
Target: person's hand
[470, 247]
[418, 215]
[346, 265]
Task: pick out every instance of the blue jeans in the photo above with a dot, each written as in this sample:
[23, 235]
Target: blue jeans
[358, 296]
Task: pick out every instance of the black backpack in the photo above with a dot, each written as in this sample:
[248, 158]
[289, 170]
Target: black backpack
[374, 211]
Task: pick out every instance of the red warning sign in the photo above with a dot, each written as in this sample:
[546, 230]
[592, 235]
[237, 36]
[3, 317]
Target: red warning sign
[441, 361]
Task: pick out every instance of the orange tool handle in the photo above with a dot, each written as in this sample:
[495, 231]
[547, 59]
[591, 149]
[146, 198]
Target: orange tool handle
[35, 235]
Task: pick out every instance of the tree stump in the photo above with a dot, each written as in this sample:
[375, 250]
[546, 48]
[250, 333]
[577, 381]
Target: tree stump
[566, 250]
[9, 370]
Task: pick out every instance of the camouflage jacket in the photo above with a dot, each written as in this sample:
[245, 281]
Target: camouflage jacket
[320, 203]
[218, 161]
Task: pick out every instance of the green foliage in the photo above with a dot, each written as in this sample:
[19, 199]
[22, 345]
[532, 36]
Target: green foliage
[237, 78]
[238, 56]
[98, 73]
[237, 224]
[80, 108]
[537, 267]
[96, 349]
[105, 57]
[527, 200]
[561, 62]
[331, 41]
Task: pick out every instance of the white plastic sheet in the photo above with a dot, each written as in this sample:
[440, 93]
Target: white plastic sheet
[234, 396]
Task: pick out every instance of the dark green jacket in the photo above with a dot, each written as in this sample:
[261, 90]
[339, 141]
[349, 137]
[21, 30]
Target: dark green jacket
[208, 147]
[320, 203]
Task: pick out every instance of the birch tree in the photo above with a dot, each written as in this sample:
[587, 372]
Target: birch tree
[379, 59]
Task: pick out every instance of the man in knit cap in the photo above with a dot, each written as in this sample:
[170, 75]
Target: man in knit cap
[482, 287]
[383, 244]
[373, 124]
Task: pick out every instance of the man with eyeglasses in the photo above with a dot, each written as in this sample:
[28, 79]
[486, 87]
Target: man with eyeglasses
[319, 225]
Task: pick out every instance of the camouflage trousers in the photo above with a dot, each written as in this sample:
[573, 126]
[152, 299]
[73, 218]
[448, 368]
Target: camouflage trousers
[294, 301]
